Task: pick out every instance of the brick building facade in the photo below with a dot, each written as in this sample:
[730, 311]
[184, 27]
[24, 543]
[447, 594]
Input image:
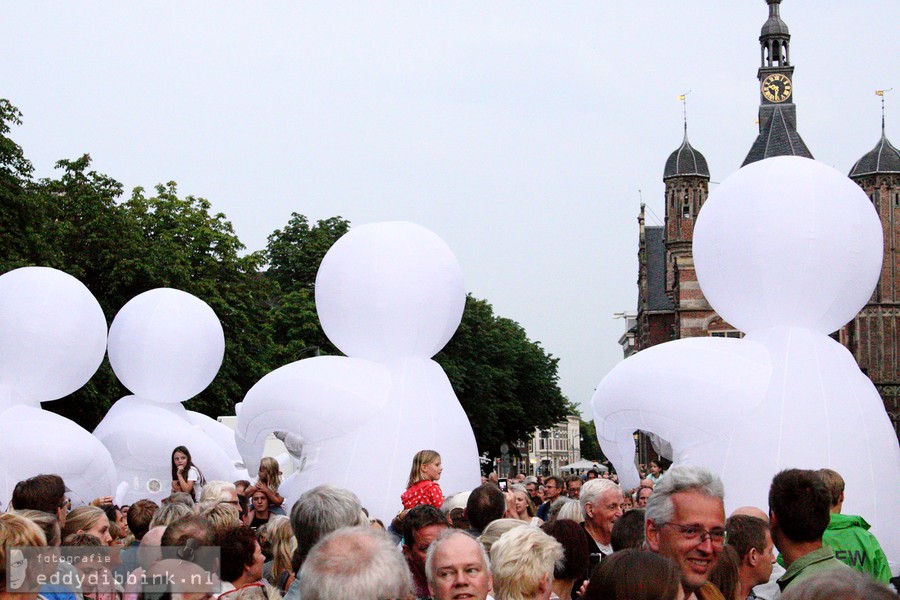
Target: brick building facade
[670, 303]
[873, 336]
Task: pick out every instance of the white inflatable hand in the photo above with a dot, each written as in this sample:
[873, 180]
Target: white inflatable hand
[319, 399]
[731, 372]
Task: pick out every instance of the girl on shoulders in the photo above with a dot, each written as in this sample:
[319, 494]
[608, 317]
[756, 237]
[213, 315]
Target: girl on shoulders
[186, 477]
[268, 481]
[422, 487]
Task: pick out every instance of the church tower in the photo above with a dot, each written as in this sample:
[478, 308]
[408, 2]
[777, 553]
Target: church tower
[874, 334]
[686, 176]
[777, 113]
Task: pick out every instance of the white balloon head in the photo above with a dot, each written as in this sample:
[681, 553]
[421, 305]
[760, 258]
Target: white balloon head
[788, 241]
[406, 298]
[52, 335]
[166, 345]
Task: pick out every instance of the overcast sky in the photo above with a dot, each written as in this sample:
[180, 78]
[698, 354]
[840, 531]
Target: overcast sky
[520, 132]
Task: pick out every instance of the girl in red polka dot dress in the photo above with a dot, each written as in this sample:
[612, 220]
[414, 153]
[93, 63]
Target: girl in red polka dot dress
[423, 487]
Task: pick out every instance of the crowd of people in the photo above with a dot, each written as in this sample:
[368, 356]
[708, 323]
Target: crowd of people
[542, 537]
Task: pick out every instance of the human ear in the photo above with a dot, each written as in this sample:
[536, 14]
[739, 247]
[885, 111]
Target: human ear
[651, 533]
[753, 557]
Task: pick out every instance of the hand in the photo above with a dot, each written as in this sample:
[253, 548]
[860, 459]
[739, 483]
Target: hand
[102, 501]
[181, 469]
[176, 487]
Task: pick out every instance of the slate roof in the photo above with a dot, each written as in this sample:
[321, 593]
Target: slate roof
[774, 25]
[883, 158]
[654, 238]
[778, 138]
[685, 161]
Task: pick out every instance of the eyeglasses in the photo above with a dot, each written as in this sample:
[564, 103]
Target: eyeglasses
[699, 534]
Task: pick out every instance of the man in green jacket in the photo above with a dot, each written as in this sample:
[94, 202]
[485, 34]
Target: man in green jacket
[849, 537]
[799, 505]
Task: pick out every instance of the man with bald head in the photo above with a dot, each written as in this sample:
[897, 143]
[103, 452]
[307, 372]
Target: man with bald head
[458, 567]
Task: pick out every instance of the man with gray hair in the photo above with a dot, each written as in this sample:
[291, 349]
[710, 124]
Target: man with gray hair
[220, 491]
[685, 521]
[354, 563]
[457, 567]
[603, 503]
[318, 512]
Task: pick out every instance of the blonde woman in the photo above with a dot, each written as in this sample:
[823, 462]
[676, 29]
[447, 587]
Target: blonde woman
[281, 543]
[88, 519]
[523, 507]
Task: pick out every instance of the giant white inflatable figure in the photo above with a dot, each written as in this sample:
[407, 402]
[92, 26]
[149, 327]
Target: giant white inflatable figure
[390, 296]
[787, 250]
[165, 346]
[52, 340]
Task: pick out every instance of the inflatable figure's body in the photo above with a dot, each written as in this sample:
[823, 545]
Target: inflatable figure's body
[52, 340]
[389, 295]
[787, 268]
[165, 346]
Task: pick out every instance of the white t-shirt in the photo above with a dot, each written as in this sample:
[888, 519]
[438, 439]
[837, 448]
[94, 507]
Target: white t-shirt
[194, 475]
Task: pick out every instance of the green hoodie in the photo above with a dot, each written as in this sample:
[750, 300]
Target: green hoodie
[849, 537]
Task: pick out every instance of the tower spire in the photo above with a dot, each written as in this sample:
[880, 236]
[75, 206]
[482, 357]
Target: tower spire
[881, 93]
[683, 98]
[777, 113]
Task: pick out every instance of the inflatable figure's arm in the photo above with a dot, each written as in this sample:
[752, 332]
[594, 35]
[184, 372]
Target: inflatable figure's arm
[315, 398]
[33, 441]
[221, 434]
[688, 392]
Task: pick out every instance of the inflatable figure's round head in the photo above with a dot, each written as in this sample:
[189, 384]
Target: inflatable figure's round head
[166, 345]
[52, 333]
[788, 241]
[390, 289]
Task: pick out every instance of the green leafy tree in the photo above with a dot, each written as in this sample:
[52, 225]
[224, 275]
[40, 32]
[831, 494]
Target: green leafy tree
[21, 216]
[86, 234]
[188, 248]
[590, 447]
[507, 384]
[294, 254]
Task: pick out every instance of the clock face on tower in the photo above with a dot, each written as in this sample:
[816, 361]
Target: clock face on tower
[776, 87]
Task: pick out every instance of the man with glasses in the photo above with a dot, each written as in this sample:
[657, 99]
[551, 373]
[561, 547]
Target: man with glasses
[553, 487]
[685, 521]
[531, 486]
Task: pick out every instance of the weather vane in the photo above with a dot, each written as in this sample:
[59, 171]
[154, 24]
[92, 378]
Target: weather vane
[683, 98]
